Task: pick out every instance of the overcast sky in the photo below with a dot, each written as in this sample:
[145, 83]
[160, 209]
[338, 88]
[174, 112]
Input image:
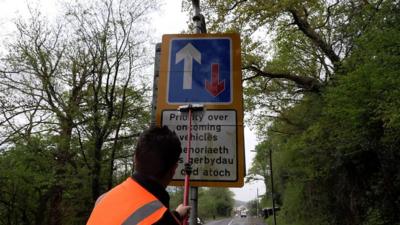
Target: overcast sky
[169, 20]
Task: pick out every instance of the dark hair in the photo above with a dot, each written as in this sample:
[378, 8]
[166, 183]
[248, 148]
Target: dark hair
[157, 151]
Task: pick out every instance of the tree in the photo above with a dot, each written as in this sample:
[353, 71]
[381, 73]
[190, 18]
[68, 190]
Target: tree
[319, 76]
[212, 202]
[176, 196]
[215, 202]
[76, 81]
[115, 51]
[25, 182]
[290, 48]
[260, 169]
[253, 207]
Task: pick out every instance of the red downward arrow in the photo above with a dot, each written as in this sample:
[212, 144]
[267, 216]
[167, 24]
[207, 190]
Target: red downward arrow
[215, 87]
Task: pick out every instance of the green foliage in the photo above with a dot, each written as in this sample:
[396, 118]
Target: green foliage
[73, 100]
[25, 180]
[215, 202]
[341, 167]
[212, 202]
[254, 207]
[176, 196]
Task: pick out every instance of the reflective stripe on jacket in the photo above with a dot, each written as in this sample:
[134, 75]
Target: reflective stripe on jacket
[127, 204]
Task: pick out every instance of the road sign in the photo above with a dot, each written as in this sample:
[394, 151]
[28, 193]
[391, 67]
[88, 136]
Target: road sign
[204, 69]
[200, 70]
[213, 153]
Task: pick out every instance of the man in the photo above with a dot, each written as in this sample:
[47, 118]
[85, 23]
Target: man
[142, 198]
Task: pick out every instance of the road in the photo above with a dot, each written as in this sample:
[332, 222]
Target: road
[237, 221]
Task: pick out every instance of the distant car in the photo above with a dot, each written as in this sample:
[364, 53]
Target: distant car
[243, 214]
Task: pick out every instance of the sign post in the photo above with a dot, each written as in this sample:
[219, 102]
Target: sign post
[204, 69]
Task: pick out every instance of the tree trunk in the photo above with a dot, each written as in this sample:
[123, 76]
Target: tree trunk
[96, 172]
[62, 156]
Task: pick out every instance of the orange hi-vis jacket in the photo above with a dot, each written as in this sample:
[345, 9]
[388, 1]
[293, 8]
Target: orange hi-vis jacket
[127, 204]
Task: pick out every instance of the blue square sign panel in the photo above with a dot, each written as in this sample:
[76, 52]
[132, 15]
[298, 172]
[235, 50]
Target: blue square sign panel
[200, 70]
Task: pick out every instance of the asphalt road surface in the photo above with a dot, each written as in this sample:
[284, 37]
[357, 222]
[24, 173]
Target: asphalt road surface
[237, 221]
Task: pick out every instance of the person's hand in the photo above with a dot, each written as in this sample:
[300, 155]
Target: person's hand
[183, 211]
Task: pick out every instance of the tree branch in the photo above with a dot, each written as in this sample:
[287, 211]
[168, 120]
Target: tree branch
[236, 4]
[308, 83]
[306, 28]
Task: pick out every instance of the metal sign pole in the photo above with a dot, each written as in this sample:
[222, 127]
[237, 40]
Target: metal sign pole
[272, 185]
[200, 27]
[190, 109]
[188, 167]
[155, 82]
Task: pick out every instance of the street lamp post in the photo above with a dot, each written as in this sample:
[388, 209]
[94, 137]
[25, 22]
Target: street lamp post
[272, 185]
[257, 205]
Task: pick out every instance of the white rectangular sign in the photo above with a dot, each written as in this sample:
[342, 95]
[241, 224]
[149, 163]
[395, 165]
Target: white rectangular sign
[214, 143]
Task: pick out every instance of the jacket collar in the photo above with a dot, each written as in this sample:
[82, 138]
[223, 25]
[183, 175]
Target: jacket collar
[153, 186]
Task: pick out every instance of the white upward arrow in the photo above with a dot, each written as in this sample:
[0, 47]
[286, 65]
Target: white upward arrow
[187, 54]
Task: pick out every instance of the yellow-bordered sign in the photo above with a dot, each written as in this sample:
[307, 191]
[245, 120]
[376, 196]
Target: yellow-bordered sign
[204, 69]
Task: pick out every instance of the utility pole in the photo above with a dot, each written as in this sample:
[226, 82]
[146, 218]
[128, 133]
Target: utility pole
[200, 27]
[272, 185]
[198, 18]
[258, 213]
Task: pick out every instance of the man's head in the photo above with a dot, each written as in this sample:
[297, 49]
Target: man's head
[157, 153]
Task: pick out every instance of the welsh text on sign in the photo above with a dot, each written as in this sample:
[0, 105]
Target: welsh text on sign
[214, 145]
